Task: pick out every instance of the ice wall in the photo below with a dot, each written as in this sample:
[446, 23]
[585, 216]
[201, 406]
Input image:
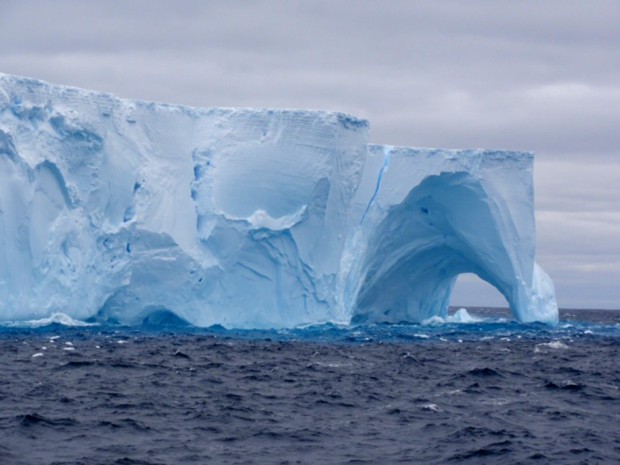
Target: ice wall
[116, 210]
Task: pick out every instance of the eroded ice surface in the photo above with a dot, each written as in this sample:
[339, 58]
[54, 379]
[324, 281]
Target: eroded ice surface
[118, 210]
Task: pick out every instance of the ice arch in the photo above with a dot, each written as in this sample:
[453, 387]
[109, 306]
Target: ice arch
[410, 249]
[409, 276]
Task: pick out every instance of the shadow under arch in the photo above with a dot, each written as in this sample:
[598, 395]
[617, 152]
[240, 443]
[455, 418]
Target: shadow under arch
[446, 226]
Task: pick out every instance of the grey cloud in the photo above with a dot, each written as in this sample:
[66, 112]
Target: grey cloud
[577, 186]
[595, 234]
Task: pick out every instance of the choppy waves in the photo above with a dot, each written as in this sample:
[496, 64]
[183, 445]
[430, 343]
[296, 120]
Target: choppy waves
[488, 391]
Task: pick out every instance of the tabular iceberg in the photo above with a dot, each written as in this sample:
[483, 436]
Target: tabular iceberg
[118, 210]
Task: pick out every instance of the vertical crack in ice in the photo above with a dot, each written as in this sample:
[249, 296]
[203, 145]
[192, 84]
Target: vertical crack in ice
[387, 152]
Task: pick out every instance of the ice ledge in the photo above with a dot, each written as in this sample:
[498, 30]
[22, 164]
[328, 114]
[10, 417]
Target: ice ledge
[115, 209]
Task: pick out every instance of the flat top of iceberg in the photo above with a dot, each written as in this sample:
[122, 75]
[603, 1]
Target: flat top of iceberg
[59, 89]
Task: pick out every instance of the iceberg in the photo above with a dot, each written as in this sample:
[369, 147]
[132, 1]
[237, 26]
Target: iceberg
[116, 210]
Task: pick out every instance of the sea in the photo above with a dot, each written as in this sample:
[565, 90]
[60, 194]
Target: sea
[474, 388]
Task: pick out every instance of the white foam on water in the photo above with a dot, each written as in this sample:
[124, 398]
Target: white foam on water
[554, 345]
[56, 318]
[434, 321]
[432, 407]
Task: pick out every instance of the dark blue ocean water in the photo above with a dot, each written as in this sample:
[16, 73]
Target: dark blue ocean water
[488, 392]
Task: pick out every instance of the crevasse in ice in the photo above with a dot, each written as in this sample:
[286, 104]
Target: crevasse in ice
[117, 210]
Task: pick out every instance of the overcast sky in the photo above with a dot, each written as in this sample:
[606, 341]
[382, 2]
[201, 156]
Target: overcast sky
[525, 75]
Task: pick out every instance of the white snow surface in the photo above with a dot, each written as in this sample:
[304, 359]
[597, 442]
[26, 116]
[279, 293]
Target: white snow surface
[115, 210]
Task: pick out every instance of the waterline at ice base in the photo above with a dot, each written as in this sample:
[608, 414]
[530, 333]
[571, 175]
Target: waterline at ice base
[115, 210]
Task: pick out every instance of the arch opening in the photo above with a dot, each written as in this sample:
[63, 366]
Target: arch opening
[477, 296]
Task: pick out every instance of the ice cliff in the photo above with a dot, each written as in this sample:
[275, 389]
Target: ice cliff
[119, 210]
